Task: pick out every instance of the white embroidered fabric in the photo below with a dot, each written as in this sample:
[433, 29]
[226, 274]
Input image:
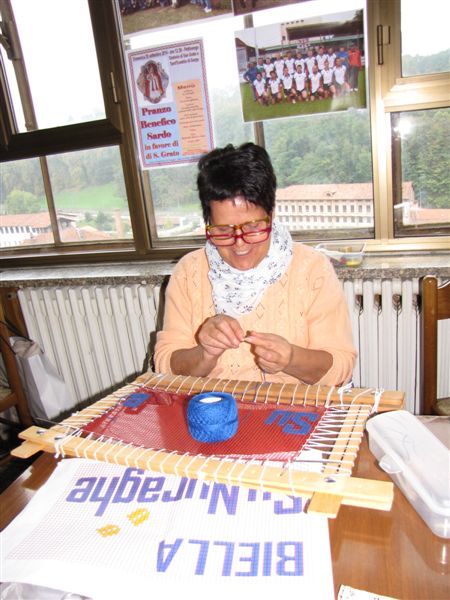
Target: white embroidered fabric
[236, 292]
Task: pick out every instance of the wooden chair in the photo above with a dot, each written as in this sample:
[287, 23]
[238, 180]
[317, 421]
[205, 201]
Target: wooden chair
[13, 395]
[435, 306]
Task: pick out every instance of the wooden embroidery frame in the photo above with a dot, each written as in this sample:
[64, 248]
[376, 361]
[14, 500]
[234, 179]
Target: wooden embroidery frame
[325, 491]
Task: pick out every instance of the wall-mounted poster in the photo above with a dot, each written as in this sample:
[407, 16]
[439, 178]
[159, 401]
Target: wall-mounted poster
[170, 102]
[140, 15]
[302, 67]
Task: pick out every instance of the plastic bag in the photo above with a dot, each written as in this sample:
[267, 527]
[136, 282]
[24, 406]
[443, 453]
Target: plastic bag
[27, 591]
[45, 389]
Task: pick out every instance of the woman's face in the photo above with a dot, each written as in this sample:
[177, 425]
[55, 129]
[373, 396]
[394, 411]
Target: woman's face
[236, 211]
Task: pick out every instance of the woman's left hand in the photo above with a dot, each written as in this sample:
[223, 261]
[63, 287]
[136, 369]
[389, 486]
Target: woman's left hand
[273, 353]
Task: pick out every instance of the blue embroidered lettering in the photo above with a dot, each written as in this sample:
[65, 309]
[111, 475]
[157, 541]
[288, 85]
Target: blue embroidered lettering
[204, 491]
[281, 415]
[150, 484]
[253, 559]
[168, 497]
[132, 483]
[202, 555]
[191, 488]
[267, 559]
[253, 495]
[229, 496]
[298, 423]
[228, 557]
[82, 493]
[164, 561]
[291, 559]
[295, 508]
[106, 498]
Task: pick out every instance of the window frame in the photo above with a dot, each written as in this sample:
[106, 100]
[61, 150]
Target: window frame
[388, 92]
[114, 130]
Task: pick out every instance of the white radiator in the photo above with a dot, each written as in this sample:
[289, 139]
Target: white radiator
[386, 331]
[385, 324]
[99, 336]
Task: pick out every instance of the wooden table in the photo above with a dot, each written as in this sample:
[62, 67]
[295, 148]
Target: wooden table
[388, 553]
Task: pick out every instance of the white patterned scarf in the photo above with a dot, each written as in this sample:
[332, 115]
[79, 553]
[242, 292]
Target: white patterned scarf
[236, 292]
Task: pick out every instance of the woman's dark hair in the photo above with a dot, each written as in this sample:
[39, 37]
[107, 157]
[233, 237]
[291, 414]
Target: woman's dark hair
[228, 172]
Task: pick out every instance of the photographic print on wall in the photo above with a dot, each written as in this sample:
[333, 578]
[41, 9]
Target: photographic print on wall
[242, 7]
[302, 67]
[140, 15]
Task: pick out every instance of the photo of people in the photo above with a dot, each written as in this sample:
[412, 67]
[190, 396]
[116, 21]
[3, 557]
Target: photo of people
[242, 7]
[302, 67]
[152, 81]
[140, 15]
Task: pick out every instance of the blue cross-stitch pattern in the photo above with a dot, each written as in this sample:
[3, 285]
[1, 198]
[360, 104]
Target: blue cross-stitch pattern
[135, 400]
[298, 423]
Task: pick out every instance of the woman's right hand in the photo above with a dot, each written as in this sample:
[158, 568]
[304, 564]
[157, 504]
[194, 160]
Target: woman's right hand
[216, 335]
[219, 333]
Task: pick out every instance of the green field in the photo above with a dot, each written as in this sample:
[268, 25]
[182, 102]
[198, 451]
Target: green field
[90, 199]
[162, 16]
[253, 111]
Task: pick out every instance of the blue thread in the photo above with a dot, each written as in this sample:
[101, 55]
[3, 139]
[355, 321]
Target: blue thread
[135, 400]
[214, 421]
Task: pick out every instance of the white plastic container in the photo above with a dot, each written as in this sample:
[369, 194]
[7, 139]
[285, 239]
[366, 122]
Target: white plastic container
[417, 461]
[342, 254]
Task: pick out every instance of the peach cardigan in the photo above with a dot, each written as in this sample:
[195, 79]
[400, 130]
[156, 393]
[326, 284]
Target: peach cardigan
[306, 306]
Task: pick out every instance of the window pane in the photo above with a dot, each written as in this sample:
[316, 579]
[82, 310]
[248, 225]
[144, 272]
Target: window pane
[178, 213]
[324, 169]
[421, 157]
[13, 90]
[24, 216]
[61, 62]
[323, 162]
[89, 195]
[425, 40]
[89, 198]
[332, 150]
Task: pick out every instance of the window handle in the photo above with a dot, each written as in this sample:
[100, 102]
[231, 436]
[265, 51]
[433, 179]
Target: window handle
[5, 40]
[113, 88]
[383, 39]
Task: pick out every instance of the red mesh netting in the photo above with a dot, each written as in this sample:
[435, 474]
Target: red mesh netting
[154, 418]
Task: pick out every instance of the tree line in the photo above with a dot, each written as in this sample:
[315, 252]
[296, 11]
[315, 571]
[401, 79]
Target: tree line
[327, 148]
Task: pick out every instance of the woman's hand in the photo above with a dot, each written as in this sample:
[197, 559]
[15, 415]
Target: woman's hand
[214, 336]
[219, 333]
[273, 353]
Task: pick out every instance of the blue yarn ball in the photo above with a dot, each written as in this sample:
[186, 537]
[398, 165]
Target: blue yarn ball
[212, 417]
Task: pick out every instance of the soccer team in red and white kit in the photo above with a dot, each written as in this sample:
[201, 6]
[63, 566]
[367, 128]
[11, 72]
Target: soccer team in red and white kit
[293, 77]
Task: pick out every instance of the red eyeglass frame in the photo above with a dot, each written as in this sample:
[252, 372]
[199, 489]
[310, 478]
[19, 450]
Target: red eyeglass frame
[235, 236]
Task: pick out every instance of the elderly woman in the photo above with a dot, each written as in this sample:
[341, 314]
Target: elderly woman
[252, 304]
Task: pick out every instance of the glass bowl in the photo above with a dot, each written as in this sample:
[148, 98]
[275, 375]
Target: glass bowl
[342, 254]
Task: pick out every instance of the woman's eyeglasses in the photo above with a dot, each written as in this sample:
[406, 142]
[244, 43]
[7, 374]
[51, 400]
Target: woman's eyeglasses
[252, 232]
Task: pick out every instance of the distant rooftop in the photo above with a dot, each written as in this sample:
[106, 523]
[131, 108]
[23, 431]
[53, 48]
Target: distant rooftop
[336, 191]
[38, 220]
